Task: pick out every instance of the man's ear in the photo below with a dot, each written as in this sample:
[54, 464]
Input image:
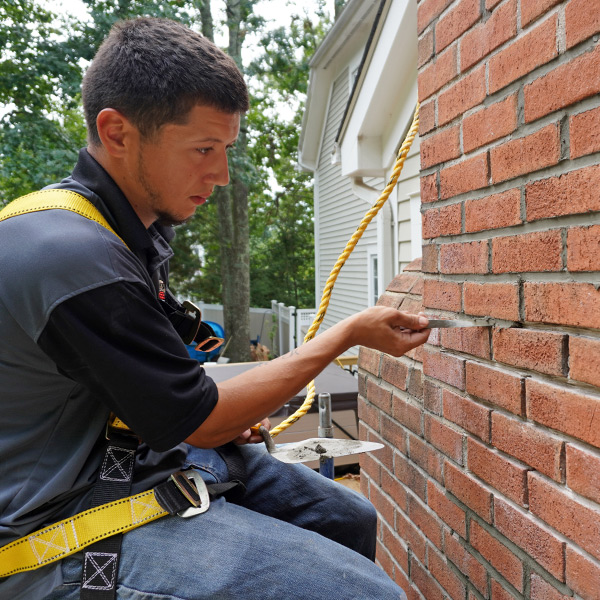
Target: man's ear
[116, 132]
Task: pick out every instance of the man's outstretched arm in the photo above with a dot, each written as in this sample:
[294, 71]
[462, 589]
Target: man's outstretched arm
[252, 396]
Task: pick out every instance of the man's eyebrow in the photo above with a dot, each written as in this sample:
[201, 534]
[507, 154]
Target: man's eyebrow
[213, 139]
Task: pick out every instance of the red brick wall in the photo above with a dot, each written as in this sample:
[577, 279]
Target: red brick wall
[489, 484]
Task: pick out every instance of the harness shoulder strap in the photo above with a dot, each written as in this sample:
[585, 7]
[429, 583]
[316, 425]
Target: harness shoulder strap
[56, 199]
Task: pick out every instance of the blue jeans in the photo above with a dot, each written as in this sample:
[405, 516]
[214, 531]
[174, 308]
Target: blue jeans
[296, 535]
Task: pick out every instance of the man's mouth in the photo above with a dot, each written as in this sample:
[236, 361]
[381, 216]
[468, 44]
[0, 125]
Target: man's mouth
[198, 200]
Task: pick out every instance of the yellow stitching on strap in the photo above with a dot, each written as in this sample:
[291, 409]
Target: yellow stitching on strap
[52, 199]
[71, 535]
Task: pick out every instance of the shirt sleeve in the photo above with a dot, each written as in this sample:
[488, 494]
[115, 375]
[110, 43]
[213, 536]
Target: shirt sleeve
[116, 341]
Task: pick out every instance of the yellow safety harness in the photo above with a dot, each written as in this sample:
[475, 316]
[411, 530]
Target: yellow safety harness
[75, 533]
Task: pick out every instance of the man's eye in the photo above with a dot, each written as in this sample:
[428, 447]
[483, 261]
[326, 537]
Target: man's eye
[203, 150]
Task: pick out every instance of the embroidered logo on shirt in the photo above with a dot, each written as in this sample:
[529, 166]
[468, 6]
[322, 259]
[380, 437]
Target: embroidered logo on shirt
[162, 289]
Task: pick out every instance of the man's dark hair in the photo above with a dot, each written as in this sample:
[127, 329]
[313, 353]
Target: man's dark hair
[154, 71]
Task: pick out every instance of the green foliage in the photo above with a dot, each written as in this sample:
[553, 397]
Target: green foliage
[42, 59]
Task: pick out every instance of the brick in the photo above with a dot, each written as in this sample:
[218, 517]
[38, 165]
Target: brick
[369, 360]
[426, 521]
[468, 491]
[539, 351]
[391, 486]
[469, 257]
[583, 574]
[425, 583]
[525, 155]
[385, 455]
[493, 212]
[572, 193]
[573, 519]
[393, 433]
[542, 590]
[503, 474]
[410, 476]
[471, 340]
[415, 383]
[570, 412]
[448, 511]
[582, 20]
[466, 563]
[438, 73]
[528, 443]
[533, 537]
[533, 9]
[425, 48]
[584, 360]
[428, 10]
[576, 304]
[583, 472]
[372, 468]
[395, 545]
[584, 133]
[583, 248]
[500, 593]
[438, 222]
[445, 439]
[489, 124]
[394, 371]
[486, 37]
[498, 300]
[455, 22]
[429, 188]
[445, 576]
[529, 252]
[443, 295]
[403, 283]
[497, 554]
[446, 368]
[369, 414]
[427, 117]
[426, 457]
[526, 53]
[430, 258]
[412, 536]
[469, 415]
[384, 507]
[466, 176]
[494, 386]
[432, 397]
[379, 396]
[563, 86]
[461, 96]
[407, 414]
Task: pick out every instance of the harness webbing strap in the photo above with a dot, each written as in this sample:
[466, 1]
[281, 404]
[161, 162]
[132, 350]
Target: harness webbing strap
[51, 199]
[75, 533]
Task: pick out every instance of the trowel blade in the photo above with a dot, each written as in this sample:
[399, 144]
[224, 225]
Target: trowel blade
[316, 448]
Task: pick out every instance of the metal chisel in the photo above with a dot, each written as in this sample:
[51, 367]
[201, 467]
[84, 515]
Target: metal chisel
[442, 323]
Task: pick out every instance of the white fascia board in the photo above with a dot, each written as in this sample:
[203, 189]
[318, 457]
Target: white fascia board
[387, 97]
[347, 37]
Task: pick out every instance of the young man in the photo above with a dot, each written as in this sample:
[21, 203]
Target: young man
[85, 331]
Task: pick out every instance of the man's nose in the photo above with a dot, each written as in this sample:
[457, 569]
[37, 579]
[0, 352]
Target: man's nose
[219, 174]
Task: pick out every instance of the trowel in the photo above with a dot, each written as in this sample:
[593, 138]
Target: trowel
[443, 323]
[315, 448]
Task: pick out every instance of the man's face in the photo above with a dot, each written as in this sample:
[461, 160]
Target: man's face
[177, 169]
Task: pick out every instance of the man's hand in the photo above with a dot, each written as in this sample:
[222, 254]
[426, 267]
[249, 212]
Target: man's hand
[252, 436]
[389, 330]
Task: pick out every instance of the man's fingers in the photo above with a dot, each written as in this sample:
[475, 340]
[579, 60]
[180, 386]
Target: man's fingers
[411, 321]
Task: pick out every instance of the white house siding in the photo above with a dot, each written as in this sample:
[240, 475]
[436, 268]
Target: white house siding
[339, 213]
[408, 222]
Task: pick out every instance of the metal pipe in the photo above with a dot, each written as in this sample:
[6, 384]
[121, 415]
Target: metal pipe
[326, 466]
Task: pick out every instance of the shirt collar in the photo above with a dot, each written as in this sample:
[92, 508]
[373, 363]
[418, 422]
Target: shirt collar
[119, 212]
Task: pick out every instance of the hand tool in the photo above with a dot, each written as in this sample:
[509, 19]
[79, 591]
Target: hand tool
[443, 323]
[315, 448]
